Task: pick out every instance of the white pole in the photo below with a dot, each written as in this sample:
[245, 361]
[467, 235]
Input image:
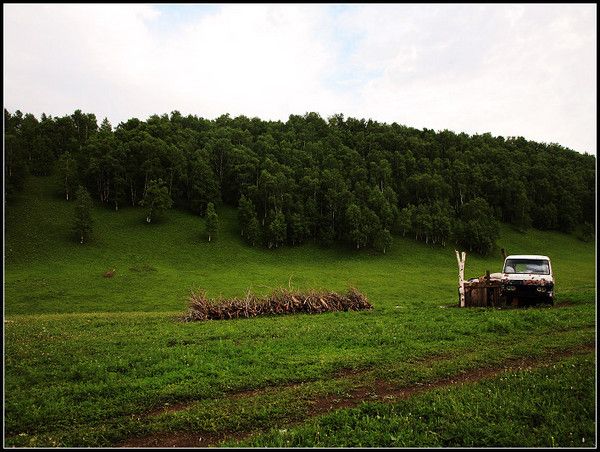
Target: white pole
[460, 258]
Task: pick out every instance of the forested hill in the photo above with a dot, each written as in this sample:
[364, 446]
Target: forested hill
[336, 180]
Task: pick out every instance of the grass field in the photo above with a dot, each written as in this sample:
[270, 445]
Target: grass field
[510, 411]
[88, 359]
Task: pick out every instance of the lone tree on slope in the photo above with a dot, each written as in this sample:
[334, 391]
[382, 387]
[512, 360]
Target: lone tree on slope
[156, 200]
[212, 220]
[83, 217]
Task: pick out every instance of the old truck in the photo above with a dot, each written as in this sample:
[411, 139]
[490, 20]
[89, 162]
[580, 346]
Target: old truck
[527, 279]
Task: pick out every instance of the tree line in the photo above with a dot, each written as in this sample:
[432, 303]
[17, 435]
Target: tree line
[335, 180]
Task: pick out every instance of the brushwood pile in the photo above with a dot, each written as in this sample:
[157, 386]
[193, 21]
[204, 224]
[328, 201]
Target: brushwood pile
[280, 302]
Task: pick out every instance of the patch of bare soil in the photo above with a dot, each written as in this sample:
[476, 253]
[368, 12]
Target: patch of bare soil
[564, 303]
[380, 391]
[182, 439]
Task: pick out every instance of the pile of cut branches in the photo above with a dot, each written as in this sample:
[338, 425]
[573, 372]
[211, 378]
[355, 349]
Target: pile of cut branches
[281, 301]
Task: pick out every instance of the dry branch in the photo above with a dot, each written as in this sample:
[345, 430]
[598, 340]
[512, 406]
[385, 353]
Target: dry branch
[281, 301]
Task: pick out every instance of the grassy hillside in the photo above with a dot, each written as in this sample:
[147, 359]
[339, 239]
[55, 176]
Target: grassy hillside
[157, 265]
[85, 355]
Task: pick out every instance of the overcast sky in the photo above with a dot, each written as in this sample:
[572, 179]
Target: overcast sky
[511, 70]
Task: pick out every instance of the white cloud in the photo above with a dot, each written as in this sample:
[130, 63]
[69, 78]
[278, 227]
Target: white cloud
[258, 60]
[59, 58]
[262, 60]
[509, 69]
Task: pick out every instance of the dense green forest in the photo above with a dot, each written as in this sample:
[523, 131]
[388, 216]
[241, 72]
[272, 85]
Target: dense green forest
[344, 180]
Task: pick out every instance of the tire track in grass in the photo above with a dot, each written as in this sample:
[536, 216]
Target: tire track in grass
[337, 375]
[380, 391]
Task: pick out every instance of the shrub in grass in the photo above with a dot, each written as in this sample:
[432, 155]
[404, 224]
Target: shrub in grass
[281, 301]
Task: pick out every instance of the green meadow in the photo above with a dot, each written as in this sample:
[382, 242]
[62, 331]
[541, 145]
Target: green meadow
[87, 357]
[511, 411]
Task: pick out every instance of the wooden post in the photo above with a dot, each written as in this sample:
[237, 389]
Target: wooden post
[487, 291]
[460, 258]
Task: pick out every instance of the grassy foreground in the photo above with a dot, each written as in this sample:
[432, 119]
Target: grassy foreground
[87, 356]
[513, 410]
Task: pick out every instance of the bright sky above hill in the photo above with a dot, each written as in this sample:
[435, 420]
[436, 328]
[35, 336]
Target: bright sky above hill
[510, 70]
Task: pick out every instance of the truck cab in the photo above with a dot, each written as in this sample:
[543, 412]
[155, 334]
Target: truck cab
[527, 279]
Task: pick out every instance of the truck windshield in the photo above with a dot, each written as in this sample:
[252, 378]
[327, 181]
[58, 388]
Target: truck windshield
[537, 266]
